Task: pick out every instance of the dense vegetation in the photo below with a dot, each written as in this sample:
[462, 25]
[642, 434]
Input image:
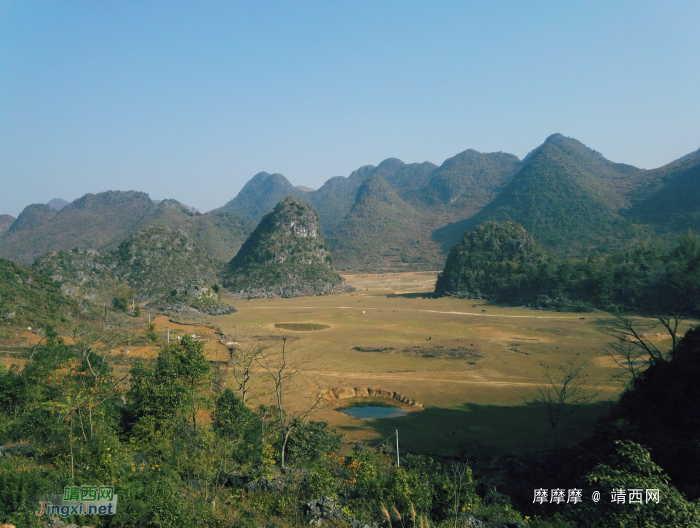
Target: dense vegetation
[501, 261]
[32, 298]
[573, 200]
[380, 226]
[285, 255]
[154, 262]
[182, 451]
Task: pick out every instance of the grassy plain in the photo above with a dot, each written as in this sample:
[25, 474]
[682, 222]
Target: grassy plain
[474, 366]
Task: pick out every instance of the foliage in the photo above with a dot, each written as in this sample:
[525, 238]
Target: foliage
[660, 411]
[500, 261]
[285, 251]
[28, 298]
[564, 199]
[632, 468]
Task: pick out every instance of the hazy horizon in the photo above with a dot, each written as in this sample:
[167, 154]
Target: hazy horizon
[189, 103]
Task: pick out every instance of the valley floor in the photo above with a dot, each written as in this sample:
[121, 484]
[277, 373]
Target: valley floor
[474, 366]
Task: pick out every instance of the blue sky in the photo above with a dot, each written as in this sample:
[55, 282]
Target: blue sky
[188, 100]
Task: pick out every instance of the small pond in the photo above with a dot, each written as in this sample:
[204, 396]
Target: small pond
[301, 327]
[371, 412]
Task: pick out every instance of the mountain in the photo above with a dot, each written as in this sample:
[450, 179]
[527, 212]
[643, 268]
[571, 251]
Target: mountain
[30, 298]
[428, 198]
[692, 154]
[625, 179]
[33, 216]
[488, 259]
[57, 204]
[259, 196]
[471, 179]
[157, 262]
[5, 222]
[101, 221]
[675, 206]
[565, 195]
[285, 256]
[382, 232]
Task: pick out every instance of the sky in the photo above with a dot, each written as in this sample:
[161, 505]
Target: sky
[189, 100]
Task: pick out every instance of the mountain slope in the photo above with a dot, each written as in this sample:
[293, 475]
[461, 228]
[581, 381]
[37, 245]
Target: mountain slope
[30, 298]
[625, 179]
[559, 201]
[259, 196]
[471, 179]
[157, 262]
[382, 232]
[57, 204]
[5, 222]
[675, 207]
[102, 221]
[285, 256]
[487, 259]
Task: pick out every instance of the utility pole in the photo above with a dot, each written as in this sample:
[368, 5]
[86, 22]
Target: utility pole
[397, 448]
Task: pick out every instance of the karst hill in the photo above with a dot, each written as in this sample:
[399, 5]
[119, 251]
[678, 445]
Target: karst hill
[165, 267]
[285, 256]
[102, 221]
[400, 216]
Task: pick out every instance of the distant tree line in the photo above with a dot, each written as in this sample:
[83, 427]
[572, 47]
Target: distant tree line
[500, 261]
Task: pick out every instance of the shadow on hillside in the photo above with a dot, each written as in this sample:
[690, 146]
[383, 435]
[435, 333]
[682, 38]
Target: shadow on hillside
[447, 236]
[485, 430]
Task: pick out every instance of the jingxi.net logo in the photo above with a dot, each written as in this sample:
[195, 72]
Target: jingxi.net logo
[80, 500]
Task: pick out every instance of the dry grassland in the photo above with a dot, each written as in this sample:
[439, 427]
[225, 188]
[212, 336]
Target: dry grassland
[474, 366]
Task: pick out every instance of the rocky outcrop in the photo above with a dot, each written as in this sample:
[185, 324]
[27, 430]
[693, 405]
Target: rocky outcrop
[318, 510]
[284, 257]
[345, 393]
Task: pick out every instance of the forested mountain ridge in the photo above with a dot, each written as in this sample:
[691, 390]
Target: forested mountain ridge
[6, 221]
[27, 297]
[101, 221]
[382, 231]
[471, 179]
[156, 263]
[570, 197]
[564, 205]
[502, 262]
[675, 206]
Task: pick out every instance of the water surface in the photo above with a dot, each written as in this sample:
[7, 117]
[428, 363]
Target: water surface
[371, 412]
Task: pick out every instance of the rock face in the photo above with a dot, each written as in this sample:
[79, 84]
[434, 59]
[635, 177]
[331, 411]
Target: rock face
[345, 393]
[318, 510]
[164, 266]
[284, 257]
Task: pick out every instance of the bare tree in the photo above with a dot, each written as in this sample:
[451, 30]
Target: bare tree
[244, 359]
[632, 348]
[562, 397]
[281, 373]
[459, 472]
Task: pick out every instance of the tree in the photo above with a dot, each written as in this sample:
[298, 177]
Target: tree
[172, 385]
[632, 469]
[281, 373]
[562, 397]
[243, 359]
